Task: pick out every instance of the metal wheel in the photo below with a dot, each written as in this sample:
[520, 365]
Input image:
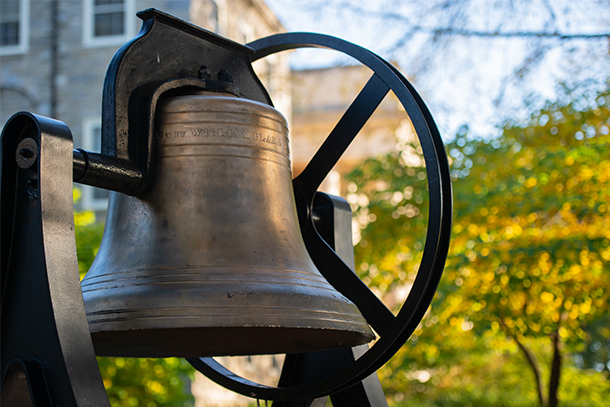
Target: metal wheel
[393, 330]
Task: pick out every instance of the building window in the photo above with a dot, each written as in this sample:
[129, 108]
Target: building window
[95, 199]
[108, 18]
[214, 17]
[108, 22]
[245, 32]
[14, 26]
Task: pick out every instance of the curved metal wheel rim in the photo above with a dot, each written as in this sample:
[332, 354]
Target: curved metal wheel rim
[437, 236]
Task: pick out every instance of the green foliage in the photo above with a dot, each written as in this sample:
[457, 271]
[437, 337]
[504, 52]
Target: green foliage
[147, 382]
[529, 255]
[132, 382]
[88, 237]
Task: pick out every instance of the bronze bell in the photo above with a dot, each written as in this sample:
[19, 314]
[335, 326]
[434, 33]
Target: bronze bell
[210, 261]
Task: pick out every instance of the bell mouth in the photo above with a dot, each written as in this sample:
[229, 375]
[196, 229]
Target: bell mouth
[225, 341]
[221, 311]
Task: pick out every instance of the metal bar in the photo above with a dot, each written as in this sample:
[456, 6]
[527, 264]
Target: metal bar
[334, 220]
[342, 135]
[340, 276]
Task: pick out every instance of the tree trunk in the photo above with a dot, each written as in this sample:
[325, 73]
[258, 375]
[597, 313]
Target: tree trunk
[555, 371]
[531, 358]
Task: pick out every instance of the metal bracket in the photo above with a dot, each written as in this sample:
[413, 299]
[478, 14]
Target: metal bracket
[47, 352]
[333, 221]
[166, 49]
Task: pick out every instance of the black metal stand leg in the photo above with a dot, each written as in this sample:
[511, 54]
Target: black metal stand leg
[335, 226]
[46, 346]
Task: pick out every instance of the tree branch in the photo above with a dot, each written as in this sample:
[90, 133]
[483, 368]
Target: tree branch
[533, 362]
[452, 31]
[555, 370]
[514, 34]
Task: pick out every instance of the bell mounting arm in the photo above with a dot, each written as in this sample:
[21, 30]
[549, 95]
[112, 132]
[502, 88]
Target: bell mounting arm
[166, 54]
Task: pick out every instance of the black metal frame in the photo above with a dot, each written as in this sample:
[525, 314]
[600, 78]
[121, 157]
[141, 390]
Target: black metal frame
[47, 352]
[36, 214]
[392, 330]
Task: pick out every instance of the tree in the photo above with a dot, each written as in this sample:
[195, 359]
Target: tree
[530, 252]
[129, 381]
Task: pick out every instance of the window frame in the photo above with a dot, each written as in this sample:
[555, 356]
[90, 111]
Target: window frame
[23, 45]
[89, 38]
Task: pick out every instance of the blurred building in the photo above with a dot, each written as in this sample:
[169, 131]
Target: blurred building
[319, 99]
[54, 55]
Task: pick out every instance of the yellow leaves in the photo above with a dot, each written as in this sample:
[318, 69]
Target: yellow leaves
[82, 219]
[531, 182]
[586, 173]
[159, 371]
[492, 219]
[533, 326]
[111, 370]
[584, 258]
[547, 297]
[574, 312]
[473, 230]
[569, 160]
[513, 231]
[155, 387]
[574, 269]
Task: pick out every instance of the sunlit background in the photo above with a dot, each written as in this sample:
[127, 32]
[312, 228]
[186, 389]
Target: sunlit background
[520, 92]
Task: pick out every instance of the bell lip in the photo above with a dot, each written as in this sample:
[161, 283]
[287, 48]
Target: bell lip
[223, 341]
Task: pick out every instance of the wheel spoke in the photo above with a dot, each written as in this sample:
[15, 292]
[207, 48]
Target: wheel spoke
[340, 276]
[342, 135]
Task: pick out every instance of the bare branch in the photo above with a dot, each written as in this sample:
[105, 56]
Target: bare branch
[513, 34]
[458, 14]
